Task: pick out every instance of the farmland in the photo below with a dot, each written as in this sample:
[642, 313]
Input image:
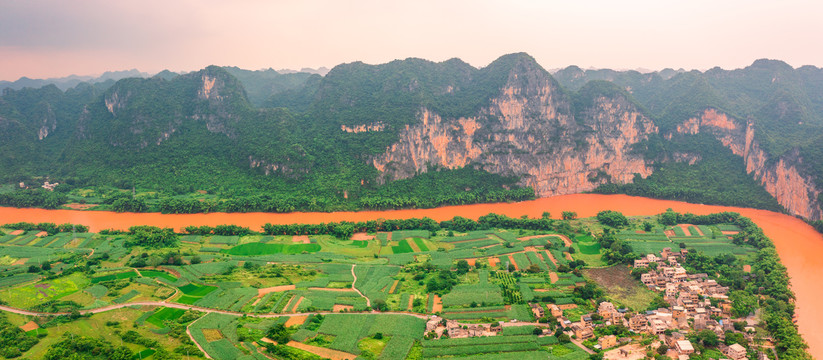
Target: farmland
[470, 276]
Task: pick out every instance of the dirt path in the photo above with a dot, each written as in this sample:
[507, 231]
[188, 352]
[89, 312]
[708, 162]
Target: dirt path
[368, 302]
[297, 304]
[322, 352]
[411, 303]
[188, 332]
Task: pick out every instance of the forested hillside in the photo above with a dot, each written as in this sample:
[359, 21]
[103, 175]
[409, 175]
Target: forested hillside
[415, 133]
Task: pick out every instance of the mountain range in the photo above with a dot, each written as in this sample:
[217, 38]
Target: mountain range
[416, 133]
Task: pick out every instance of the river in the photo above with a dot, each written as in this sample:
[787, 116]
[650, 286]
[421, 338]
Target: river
[799, 245]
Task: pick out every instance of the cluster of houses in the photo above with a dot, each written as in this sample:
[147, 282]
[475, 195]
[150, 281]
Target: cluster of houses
[695, 303]
[438, 326]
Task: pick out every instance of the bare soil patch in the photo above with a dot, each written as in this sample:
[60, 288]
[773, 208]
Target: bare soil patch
[41, 234]
[393, 287]
[76, 206]
[411, 303]
[568, 256]
[438, 304]
[29, 326]
[212, 334]
[493, 261]
[16, 232]
[21, 261]
[295, 320]
[361, 236]
[472, 262]
[553, 277]
[729, 232]
[669, 233]
[413, 245]
[511, 261]
[342, 308]
[300, 239]
[323, 352]
[264, 291]
[294, 309]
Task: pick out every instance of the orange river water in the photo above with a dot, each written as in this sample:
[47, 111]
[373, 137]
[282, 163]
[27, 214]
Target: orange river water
[799, 245]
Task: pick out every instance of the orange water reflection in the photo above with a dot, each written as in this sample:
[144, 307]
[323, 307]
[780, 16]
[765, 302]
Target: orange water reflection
[799, 246]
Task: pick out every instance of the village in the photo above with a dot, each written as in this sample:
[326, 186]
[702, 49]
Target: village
[696, 303]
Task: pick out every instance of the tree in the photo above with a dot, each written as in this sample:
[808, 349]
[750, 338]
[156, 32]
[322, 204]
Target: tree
[45, 266]
[708, 338]
[533, 268]
[612, 218]
[662, 349]
[463, 266]
[647, 226]
[568, 215]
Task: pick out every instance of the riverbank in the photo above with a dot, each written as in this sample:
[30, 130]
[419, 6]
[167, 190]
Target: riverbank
[798, 244]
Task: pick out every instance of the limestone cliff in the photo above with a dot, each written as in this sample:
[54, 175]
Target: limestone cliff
[781, 177]
[531, 130]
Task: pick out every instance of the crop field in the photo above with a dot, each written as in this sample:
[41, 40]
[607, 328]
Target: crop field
[98, 291]
[158, 274]
[521, 260]
[421, 244]
[728, 227]
[196, 290]
[32, 294]
[465, 294]
[325, 300]
[348, 330]
[118, 276]
[17, 279]
[405, 234]
[227, 298]
[252, 249]
[228, 240]
[375, 281]
[402, 247]
[495, 347]
[159, 317]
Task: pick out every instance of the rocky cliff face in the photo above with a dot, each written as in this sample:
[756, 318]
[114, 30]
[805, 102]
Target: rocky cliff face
[529, 130]
[781, 177]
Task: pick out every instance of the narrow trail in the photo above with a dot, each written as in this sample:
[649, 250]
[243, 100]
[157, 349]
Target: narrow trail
[188, 332]
[368, 302]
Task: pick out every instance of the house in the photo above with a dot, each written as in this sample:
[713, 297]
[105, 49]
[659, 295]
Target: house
[556, 312]
[684, 347]
[641, 263]
[637, 323]
[658, 326]
[649, 279]
[537, 310]
[606, 342]
[605, 309]
[736, 352]
[582, 332]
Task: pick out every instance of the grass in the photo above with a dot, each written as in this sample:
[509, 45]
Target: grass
[158, 274]
[251, 249]
[402, 247]
[33, 294]
[371, 348]
[192, 289]
[622, 287]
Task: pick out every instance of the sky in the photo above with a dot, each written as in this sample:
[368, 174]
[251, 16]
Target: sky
[55, 38]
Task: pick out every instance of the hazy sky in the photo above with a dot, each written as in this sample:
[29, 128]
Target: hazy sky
[47, 38]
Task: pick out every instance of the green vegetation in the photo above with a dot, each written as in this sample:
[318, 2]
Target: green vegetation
[251, 249]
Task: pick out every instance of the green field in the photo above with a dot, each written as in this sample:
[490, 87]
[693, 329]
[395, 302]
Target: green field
[29, 295]
[158, 274]
[252, 249]
[160, 316]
